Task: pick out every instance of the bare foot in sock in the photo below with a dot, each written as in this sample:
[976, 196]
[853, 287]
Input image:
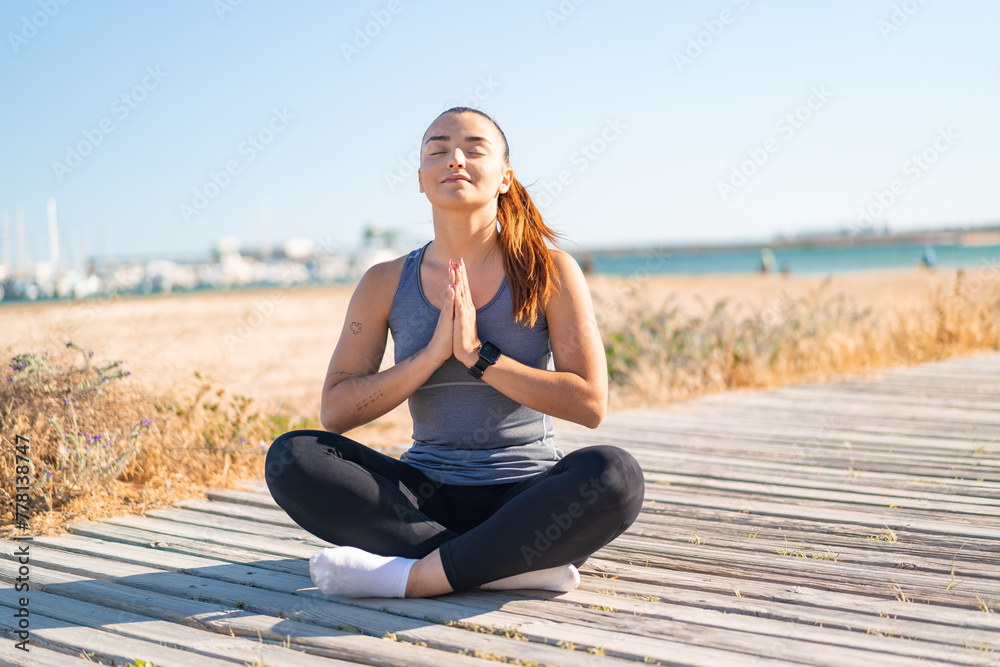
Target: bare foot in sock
[562, 579]
[353, 573]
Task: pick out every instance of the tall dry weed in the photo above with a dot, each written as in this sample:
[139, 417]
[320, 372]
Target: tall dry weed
[100, 445]
[656, 354]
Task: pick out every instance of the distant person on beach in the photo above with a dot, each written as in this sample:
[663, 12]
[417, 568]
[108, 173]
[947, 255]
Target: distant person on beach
[766, 260]
[494, 335]
[927, 258]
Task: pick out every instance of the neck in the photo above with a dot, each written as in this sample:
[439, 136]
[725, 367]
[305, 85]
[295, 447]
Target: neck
[461, 234]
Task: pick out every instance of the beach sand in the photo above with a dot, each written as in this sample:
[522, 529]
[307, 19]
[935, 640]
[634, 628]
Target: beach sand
[275, 344]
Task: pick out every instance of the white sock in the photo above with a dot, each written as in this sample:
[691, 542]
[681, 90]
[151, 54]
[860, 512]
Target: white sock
[353, 573]
[562, 578]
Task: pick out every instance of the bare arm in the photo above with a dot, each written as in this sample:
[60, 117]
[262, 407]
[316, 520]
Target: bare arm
[577, 390]
[355, 392]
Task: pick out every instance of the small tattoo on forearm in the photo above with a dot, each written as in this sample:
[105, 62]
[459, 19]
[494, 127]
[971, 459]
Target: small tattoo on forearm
[371, 398]
[355, 328]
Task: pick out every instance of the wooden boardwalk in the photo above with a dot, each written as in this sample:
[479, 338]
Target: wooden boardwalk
[849, 523]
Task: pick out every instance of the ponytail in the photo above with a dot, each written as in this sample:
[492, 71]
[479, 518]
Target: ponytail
[527, 261]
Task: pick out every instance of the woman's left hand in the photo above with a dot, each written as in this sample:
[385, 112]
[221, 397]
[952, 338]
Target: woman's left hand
[465, 338]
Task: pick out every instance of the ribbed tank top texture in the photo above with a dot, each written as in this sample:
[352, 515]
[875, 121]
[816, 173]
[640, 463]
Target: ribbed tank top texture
[464, 430]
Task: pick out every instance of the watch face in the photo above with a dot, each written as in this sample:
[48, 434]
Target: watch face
[490, 352]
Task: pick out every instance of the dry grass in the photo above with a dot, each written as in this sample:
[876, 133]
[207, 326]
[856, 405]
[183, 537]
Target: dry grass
[99, 447]
[656, 354]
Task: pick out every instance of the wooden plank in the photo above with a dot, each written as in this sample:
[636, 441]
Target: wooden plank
[691, 464]
[234, 525]
[304, 545]
[812, 440]
[300, 567]
[254, 498]
[932, 587]
[875, 520]
[945, 469]
[705, 464]
[125, 624]
[940, 495]
[910, 431]
[926, 387]
[107, 646]
[902, 401]
[744, 634]
[940, 546]
[799, 640]
[976, 559]
[238, 573]
[869, 622]
[277, 517]
[908, 423]
[38, 656]
[312, 606]
[892, 557]
[246, 553]
[817, 437]
[750, 500]
[819, 407]
[235, 574]
[133, 554]
[312, 639]
[609, 575]
[852, 496]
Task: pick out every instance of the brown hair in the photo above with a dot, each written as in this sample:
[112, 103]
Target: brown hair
[527, 261]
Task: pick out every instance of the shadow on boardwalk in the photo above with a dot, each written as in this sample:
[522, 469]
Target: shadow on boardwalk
[827, 524]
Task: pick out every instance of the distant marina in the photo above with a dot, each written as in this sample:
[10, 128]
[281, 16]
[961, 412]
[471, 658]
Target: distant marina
[307, 262]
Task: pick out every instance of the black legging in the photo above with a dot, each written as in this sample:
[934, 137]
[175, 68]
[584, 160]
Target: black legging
[351, 495]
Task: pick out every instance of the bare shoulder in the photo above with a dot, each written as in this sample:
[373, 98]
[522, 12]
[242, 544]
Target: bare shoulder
[569, 275]
[561, 256]
[570, 299]
[378, 284]
[385, 274]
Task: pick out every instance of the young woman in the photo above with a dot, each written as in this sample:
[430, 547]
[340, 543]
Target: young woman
[494, 334]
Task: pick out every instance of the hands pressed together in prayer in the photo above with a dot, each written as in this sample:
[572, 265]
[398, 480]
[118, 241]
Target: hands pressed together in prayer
[455, 334]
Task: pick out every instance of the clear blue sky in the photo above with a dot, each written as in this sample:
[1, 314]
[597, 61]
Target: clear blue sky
[886, 80]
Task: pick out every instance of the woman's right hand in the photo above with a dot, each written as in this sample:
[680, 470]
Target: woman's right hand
[441, 341]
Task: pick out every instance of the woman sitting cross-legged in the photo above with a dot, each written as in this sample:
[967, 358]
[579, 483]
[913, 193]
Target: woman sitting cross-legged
[494, 334]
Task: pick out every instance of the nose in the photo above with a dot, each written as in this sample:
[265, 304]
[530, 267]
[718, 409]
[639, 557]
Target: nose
[457, 159]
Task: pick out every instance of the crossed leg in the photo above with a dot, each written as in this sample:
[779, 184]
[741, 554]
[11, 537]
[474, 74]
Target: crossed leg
[349, 494]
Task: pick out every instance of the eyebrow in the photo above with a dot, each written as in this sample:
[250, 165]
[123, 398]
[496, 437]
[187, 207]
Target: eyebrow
[468, 140]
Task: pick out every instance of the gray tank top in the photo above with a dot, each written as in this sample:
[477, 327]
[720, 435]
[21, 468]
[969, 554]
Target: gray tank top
[464, 430]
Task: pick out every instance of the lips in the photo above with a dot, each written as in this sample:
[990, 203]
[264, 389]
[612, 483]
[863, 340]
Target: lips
[456, 177]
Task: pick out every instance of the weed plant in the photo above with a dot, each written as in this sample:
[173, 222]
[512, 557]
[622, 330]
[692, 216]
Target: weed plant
[655, 354]
[100, 445]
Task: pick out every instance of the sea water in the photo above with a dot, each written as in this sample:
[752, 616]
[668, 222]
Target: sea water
[806, 260]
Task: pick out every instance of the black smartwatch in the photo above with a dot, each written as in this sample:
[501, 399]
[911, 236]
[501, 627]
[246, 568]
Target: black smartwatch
[488, 355]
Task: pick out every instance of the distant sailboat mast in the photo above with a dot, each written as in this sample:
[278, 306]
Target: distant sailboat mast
[53, 234]
[5, 236]
[265, 228]
[22, 256]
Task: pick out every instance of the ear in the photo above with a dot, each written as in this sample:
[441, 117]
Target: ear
[506, 180]
[420, 181]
